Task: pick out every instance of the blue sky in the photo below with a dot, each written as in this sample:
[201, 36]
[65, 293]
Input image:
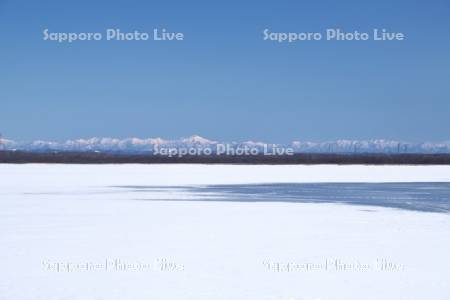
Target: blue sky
[224, 81]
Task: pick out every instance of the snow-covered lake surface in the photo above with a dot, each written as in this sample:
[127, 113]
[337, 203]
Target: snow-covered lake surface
[224, 232]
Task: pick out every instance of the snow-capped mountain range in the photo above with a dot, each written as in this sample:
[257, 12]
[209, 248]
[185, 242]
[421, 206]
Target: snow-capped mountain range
[133, 145]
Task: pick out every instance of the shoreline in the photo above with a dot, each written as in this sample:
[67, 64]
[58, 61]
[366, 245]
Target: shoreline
[22, 157]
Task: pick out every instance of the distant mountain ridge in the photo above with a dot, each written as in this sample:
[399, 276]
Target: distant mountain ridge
[132, 145]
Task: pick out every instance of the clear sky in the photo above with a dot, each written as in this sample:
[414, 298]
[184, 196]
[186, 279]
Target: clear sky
[224, 81]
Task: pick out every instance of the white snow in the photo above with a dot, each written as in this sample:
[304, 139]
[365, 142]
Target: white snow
[55, 215]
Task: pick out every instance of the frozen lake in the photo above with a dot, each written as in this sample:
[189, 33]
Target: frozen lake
[224, 232]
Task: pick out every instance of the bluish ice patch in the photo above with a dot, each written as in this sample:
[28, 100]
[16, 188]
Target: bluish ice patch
[426, 197]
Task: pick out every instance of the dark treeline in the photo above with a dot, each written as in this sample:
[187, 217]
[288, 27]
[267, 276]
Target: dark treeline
[300, 158]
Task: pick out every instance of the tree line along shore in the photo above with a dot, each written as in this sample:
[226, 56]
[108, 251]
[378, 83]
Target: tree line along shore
[298, 158]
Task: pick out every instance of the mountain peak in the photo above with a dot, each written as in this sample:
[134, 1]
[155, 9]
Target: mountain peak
[196, 139]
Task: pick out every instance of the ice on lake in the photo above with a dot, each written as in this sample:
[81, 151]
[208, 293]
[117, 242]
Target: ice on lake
[419, 196]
